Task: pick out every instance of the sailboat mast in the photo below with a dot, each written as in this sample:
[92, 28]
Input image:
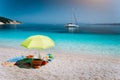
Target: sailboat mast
[74, 15]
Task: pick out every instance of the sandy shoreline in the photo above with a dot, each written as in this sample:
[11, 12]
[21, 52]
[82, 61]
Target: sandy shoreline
[63, 67]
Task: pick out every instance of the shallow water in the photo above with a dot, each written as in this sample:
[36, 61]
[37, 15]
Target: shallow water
[92, 39]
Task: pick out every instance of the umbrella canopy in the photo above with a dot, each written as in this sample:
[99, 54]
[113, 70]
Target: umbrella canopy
[38, 42]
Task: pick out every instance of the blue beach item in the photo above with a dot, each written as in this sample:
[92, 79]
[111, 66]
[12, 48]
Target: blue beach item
[15, 59]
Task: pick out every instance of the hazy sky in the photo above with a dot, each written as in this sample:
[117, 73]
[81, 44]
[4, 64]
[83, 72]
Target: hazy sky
[60, 11]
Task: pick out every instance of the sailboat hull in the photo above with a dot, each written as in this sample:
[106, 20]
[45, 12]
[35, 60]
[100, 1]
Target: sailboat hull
[72, 28]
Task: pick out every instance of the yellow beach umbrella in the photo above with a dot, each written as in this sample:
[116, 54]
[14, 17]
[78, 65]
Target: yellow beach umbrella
[39, 42]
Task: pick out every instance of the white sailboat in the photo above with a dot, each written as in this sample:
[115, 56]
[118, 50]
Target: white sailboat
[73, 27]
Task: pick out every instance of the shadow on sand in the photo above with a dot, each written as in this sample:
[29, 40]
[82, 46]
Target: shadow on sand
[24, 63]
[28, 63]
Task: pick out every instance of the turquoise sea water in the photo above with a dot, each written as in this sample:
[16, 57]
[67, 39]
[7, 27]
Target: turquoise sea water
[92, 39]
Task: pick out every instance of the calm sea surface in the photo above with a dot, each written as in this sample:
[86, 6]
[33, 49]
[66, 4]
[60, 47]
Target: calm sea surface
[92, 39]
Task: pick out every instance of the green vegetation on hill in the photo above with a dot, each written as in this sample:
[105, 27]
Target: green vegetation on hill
[7, 21]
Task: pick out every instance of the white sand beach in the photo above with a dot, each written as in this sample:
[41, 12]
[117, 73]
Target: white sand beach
[63, 67]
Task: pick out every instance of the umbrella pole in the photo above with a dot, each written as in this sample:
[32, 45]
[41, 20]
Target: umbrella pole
[39, 55]
[32, 60]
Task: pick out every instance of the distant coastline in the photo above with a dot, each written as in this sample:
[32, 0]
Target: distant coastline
[4, 20]
[106, 24]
